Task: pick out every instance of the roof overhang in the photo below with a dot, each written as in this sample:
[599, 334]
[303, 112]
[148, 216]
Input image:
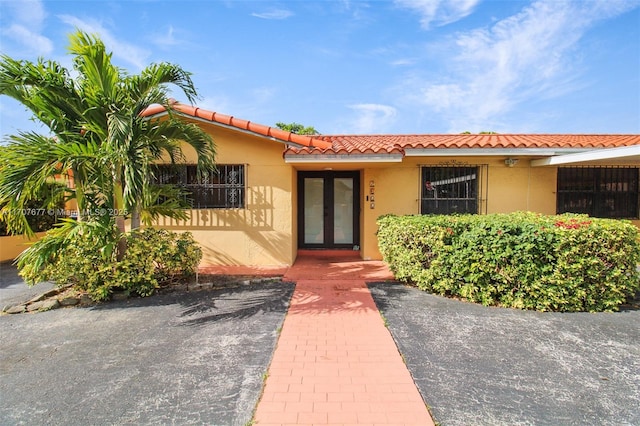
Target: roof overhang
[342, 158]
[237, 129]
[238, 125]
[490, 152]
[625, 154]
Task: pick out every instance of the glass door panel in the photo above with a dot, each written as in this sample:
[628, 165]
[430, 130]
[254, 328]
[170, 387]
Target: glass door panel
[328, 209]
[343, 211]
[314, 211]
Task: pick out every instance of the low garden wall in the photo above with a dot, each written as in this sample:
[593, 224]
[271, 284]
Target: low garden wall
[519, 260]
[12, 245]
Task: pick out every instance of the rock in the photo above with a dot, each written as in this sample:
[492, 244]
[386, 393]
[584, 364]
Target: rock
[46, 295]
[200, 286]
[69, 301]
[44, 305]
[17, 309]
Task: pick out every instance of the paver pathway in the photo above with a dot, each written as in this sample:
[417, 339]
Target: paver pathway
[336, 362]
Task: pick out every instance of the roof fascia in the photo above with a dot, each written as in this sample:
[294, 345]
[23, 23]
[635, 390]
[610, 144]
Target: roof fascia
[229, 127]
[488, 152]
[625, 152]
[345, 158]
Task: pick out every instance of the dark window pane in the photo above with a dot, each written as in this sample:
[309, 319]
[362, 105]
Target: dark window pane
[609, 192]
[447, 190]
[221, 188]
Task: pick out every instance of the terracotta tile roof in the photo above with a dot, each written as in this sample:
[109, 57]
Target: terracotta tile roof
[379, 144]
[227, 120]
[398, 144]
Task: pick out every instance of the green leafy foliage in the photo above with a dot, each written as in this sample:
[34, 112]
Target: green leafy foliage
[99, 144]
[519, 260]
[38, 214]
[297, 128]
[86, 258]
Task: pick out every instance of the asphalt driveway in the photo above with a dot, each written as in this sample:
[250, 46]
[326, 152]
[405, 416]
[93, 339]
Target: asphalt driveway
[13, 290]
[180, 358]
[478, 365]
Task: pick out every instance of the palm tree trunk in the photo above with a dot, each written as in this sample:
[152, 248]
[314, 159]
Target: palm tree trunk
[120, 223]
[135, 218]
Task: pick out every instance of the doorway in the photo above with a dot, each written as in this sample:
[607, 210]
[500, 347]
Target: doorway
[329, 210]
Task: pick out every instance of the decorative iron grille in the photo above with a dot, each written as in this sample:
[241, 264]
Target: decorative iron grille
[608, 192]
[222, 188]
[452, 189]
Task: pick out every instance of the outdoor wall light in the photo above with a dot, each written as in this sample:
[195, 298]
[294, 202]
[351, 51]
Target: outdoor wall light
[510, 162]
[372, 184]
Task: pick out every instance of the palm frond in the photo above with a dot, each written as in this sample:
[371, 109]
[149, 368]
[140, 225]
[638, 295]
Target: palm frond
[164, 200]
[150, 86]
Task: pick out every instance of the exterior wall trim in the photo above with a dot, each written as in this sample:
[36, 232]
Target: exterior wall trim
[488, 152]
[348, 159]
[625, 152]
[236, 129]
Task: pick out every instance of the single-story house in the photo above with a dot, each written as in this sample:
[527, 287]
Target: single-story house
[275, 192]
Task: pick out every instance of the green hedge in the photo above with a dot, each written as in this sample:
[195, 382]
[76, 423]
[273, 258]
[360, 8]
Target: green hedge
[88, 261]
[519, 260]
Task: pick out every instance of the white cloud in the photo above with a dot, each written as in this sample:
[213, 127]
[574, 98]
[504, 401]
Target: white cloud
[167, 39]
[28, 12]
[27, 20]
[402, 62]
[122, 50]
[372, 118]
[253, 104]
[277, 14]
[220, 104]
[35, 43]
[439, 12]
[530, 55]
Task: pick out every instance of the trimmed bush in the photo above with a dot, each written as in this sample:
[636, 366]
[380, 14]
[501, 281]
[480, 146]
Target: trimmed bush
[88, 262]
[519, 260]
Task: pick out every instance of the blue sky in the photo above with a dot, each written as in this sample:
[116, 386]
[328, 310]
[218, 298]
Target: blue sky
[366, 67]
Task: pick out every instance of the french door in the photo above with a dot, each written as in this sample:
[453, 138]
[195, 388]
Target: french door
[328, 209]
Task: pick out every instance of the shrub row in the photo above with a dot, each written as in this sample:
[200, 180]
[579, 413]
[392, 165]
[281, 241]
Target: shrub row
[519, 260]
[88, 262]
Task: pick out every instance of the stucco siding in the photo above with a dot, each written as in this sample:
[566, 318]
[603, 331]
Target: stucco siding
[262, 232]
[265, 231]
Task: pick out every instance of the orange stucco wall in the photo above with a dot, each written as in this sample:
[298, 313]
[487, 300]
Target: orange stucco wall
[12, 245]
[261, 233]
[397, 190]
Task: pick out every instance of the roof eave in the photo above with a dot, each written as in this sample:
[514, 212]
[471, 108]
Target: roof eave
[630, 153]
[342, 158]
[489, 152]
[194, 113]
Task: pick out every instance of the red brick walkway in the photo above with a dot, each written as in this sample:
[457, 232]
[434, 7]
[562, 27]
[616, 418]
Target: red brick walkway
[335, 362]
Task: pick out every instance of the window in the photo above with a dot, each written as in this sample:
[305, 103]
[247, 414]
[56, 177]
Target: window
[451, 189]
[609, 192]
[222, 188]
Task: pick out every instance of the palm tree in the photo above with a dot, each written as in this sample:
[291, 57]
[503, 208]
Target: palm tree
[131, 142]
[100, 143]
[31, 160]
